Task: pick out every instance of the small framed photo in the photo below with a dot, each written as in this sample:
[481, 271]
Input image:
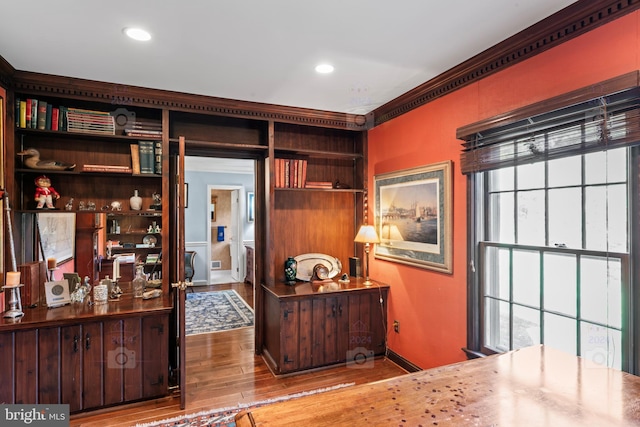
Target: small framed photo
[57, 293]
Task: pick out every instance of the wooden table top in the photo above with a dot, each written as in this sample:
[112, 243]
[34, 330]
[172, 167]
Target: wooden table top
[534, 386]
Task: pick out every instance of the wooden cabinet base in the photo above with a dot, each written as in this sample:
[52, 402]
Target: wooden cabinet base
[311, 325]
[85, 360]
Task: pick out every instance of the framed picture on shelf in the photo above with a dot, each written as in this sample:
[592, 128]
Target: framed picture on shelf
[58, 235]
[413, 216]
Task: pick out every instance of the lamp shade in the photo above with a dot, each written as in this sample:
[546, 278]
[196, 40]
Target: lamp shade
[367, 234]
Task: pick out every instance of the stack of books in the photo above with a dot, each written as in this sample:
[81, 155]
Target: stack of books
[106, 168]
[90, 121]
[291, 173]
[152, 258]
[143, 128]
[319, 184]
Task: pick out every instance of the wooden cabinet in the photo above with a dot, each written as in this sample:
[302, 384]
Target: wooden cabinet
[88, 360]
[250, 257]
[312, 325]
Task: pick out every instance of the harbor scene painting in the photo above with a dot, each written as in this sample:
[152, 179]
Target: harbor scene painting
[413, 216]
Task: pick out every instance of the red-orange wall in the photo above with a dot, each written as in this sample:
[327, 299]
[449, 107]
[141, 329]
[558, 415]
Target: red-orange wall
[431, 306]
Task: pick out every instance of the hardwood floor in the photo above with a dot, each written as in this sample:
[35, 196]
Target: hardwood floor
[222, 371]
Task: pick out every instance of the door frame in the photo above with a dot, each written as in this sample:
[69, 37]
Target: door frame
[239, 255]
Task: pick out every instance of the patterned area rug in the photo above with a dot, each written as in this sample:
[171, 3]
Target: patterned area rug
[224, 417]
[216, 311]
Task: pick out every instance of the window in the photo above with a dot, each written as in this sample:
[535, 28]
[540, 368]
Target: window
[553, 206]
[554, 259]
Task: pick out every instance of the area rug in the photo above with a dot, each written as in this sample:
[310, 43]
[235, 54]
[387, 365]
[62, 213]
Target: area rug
[216, 311]
[224, 417]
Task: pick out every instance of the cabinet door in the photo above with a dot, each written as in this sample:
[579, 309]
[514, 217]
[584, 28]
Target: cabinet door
[6, 374]
[112, 354]
[48, 365]
[155, 351]
[70, 366]
[25, 362]
[92, 365]
[325, 330]
[367, 323]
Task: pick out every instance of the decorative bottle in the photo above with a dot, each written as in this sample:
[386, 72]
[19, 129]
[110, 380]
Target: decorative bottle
[135, 202]
[290, 270]
[139, 283]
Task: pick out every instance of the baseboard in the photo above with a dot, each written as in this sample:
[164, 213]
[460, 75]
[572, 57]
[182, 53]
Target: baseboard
[402, 362]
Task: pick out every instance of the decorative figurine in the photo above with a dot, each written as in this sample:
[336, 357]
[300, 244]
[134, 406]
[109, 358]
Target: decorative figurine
[157, 202]
[31, 159]
[81, 206]
[91, 206]
[45, 193]
[69, 205]
[116, 206]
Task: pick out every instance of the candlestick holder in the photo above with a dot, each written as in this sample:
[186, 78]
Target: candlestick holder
[15, 304]
[52, 278]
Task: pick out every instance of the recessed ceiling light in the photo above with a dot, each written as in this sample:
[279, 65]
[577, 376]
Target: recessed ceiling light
[324, 68]
[137, 34]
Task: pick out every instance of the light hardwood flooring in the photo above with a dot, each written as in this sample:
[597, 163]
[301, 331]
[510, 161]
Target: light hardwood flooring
[223, 370]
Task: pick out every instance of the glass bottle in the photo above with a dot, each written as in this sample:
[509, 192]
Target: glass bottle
[139, 282]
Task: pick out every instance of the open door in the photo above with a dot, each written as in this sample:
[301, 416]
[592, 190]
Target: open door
[178, 283]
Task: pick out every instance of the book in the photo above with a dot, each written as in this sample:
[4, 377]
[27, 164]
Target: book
[135, 159]
[47, 125]
[41, 119]
[54, 118]
[106, 168]
[23, 114]
[17, 112]
[28, 113]
[157, 155]
[34, 114]
[147, 162]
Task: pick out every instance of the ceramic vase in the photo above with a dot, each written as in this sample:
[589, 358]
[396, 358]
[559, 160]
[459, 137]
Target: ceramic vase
[135, 202]
[290, 270]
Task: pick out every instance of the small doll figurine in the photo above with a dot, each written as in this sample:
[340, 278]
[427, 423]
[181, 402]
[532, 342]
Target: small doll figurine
[45, 193]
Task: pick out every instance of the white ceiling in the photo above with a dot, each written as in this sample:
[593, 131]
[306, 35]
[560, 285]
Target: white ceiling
[263, 51]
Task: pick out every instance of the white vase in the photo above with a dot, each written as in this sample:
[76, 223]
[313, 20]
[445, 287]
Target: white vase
[135, 202]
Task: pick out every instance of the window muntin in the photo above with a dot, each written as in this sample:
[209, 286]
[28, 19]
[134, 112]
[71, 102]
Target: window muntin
[556, 255]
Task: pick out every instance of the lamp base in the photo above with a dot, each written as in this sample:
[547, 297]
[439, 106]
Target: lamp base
[367, 282]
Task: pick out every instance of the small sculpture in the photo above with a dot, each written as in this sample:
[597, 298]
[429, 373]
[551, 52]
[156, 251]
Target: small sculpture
[69, 205]
[45, 193]
[157, 202]
[116, 206]
[31, 159]
[81, 206]
[91, 206]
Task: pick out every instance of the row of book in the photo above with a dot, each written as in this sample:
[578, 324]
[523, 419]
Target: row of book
[146, 158]
[34, 113]
[143, 128]
[290, 173]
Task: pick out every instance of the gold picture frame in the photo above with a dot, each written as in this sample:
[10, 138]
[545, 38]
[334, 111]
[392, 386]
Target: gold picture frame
[413, 216]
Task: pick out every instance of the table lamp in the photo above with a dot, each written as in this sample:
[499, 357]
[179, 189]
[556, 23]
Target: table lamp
[367, 235]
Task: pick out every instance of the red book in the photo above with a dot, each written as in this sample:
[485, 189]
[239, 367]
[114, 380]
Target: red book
[55, 115]
[28, 113]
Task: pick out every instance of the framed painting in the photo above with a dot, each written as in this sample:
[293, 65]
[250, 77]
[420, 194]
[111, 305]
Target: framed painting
[413, 216]
[250, 206]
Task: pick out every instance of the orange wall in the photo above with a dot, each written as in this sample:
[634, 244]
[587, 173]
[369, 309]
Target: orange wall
[431, 306]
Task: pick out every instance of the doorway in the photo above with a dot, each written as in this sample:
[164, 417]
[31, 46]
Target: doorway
[217, 225]
[225, 227]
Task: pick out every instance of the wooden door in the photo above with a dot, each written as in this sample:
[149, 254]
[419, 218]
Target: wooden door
[92, 365]
[177, 278]
[70, 366]
[155, 341]
[49, 349]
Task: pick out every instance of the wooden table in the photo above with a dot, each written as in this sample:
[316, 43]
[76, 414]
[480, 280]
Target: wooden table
[535, 386]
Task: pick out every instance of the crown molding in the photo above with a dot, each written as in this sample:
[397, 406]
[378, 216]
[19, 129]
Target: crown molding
[574, 20]
[31, 83]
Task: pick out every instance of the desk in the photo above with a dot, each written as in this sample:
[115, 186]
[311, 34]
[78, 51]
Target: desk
[535, 386]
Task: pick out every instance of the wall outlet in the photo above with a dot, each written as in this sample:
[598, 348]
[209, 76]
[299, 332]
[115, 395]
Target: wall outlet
[396, 326]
